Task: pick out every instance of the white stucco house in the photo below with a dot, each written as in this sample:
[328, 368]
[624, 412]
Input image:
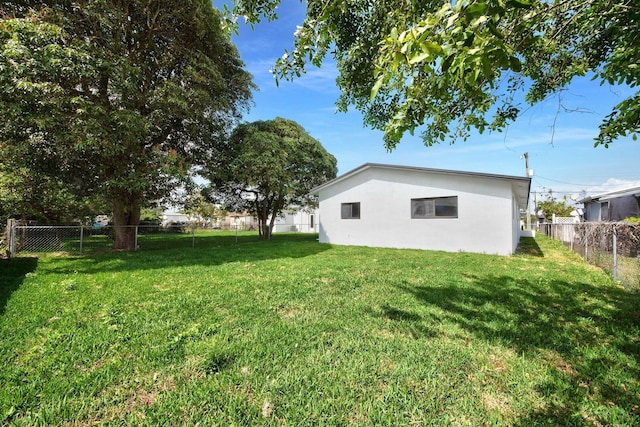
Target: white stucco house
[413, 207]
[300, 220]
[169, 217]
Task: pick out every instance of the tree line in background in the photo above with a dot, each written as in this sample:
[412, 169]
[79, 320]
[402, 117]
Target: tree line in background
[549, 206]
[110, 106]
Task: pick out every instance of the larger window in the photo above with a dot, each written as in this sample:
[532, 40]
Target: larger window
[435, 207]
[350, 210]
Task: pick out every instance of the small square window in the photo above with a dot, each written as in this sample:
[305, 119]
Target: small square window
[435, 207]
[350, 210]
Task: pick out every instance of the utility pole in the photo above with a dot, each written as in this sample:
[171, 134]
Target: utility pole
[528, 173]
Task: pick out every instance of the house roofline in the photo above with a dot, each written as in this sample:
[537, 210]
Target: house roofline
[365, 166]
[631, 191]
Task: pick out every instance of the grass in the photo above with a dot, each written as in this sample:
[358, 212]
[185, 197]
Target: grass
[627, 268]
[293, 332]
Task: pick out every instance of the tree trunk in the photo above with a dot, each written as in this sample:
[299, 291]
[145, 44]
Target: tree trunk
[126, 216]
[266, 232]
[263, 226]
[271, 224]
[262, 212]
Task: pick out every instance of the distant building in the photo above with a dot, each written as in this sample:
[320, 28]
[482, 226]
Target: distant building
[612, 206]
[174, 218]
[239, 221]
[301, 220]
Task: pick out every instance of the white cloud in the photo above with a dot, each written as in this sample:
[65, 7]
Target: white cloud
[320, 80]
[612, 184]
[260, 71]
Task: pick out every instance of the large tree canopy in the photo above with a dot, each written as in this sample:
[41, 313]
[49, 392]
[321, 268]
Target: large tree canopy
[28, 195]
[268, 166]
[117, 97]
[455, 66]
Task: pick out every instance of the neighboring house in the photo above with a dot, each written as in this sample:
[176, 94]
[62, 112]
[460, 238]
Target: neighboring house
[239, 221]
[412, 207]
[612, 206]
[302, 220]
[169, 217]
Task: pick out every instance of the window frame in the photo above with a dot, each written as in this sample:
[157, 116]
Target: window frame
[351, 214]
[435, 207]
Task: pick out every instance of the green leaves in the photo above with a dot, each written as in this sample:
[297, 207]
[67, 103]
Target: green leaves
[267, 166]
[463, 56]
[125, 99]
[451, 57]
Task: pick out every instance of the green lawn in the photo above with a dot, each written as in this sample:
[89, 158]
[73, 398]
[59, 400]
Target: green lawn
[293, 332]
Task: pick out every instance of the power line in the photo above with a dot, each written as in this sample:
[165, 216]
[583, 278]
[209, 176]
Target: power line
[604, 184]
[568, 183]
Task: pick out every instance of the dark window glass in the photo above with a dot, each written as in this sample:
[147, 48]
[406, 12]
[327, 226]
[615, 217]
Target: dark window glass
[435, 207]
[350, 210]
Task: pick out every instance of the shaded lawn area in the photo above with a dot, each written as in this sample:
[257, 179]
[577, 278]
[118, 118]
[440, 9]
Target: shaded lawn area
[293, 332]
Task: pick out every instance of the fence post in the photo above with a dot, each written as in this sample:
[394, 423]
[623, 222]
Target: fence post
[572, 233]
[81, 236]
[12, 239]
[135, 243]
[586, 244]
[193, 237]
[615, 253]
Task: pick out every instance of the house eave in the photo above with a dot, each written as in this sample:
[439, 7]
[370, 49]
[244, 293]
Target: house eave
[633, 191]
[522, 184]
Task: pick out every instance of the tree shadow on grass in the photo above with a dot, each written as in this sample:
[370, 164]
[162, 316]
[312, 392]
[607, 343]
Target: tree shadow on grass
[408, 323]
[529, 246]
[590, 335]
[12, 273]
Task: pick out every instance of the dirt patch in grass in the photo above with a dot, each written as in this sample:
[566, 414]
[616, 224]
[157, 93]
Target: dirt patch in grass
[499, 403]
[560, 363]
[141, 398]
[289, 313]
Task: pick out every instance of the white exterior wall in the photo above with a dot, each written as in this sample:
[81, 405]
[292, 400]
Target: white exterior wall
[488, 216]
[301, 221]
[515, 223]
[169, 217]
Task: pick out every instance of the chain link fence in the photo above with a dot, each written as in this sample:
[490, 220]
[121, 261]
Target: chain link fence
[613, 246]
[83, 240]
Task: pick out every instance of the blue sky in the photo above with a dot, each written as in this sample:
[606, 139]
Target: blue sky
[562, 157]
